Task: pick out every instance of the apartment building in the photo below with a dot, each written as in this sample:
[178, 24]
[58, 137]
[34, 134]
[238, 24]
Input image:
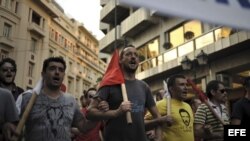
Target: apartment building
[165, 42]
[32, 30]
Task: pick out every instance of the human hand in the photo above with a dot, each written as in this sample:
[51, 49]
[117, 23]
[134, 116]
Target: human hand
[103, 106]
[167, 119]
[150, 134]
[125, 107]
[207, 129]
[9, 131]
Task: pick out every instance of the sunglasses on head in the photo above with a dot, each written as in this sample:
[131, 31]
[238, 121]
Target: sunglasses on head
[8, 69]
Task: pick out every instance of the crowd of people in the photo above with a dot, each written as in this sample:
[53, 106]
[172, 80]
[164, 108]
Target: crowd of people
[56, 115]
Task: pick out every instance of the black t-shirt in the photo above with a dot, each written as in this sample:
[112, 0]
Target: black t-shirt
[241, 110]
[139, 94]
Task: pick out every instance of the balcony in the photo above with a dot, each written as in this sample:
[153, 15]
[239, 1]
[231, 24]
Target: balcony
[104, 27]
[49, 6]
[212, 43]
[7, 42]
[103, 2]
[137, 22]
[108, 12]
[107, 43]
[36, 29]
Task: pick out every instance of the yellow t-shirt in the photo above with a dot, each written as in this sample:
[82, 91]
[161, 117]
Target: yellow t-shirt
[182, 128]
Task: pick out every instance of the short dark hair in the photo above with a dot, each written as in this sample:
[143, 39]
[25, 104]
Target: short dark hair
[122, 51]
[212, 85]
[53, 59]
[171, 80]
[90, 89]
[8, 60]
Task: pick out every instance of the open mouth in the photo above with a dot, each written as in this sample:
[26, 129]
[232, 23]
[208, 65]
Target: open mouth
[56, 79]
[9, 76]
[133, 63]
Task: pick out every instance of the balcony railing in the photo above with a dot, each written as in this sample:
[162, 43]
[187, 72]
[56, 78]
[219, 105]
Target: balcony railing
[186, 48]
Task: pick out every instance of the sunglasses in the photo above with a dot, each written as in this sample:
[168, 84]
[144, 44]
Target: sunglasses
[223, 90]
[8, 69]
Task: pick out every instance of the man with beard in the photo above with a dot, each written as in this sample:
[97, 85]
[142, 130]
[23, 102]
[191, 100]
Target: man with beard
[7, 76]
[139, 98]
[54, 112]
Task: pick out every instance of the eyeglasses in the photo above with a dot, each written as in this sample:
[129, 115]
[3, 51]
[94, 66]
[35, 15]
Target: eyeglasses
[9, 69]
[90, 96]
[223, 91]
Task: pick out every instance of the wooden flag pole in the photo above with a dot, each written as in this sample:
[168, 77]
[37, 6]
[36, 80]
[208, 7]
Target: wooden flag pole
[168, 96]
[204, 99]
[169, 105]
[25, 115]
[125, 98]
[213, 112]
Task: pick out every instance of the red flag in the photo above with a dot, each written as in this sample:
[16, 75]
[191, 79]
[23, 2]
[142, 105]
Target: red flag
[113, 74]
[201, 95]
[63, 87]
[204, 99]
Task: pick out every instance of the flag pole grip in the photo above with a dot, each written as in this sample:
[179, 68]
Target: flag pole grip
[125, 98]
[25, 115]
[213, 112]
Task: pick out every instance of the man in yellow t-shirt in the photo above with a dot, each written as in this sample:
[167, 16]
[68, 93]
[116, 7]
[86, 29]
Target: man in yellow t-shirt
[179, 124]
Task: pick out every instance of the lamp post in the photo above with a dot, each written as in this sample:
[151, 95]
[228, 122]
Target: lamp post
[201, 59]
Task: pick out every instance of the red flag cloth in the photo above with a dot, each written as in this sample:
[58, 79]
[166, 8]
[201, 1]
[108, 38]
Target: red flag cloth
[113, 74]
[201, 95]
[63, 88]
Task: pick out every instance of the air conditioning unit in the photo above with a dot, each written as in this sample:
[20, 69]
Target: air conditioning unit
[225, 79]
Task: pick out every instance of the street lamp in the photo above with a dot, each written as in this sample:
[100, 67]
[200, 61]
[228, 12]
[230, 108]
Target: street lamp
[187, 64]
[202, 58]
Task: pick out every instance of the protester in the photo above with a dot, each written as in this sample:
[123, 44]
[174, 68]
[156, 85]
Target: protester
[159, 96]
[94, 134]
[54, 112]
[206, 124]
[194, 103]
[241, 109]
[8, 112]
[139, 98]
[178, 126]
[8, 70]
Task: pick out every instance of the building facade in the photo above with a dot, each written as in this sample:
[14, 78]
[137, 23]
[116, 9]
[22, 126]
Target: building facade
[33, 30]
[163, 42]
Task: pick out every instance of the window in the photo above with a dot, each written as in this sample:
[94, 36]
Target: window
[7, 4]
[150, 50]
[16, 8]
[36, 18]
[7, 30]
[185, 32]
[223, 32]
[33, 45]
[3, 54]
[31, 69]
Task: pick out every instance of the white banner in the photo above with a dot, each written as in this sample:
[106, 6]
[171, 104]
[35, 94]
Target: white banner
[233, 13]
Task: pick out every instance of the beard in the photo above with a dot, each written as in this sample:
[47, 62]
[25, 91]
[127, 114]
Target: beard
[3, 81]
[130, 70]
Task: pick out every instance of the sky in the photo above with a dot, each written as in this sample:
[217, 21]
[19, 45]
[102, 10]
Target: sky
[84, 11]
